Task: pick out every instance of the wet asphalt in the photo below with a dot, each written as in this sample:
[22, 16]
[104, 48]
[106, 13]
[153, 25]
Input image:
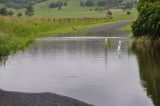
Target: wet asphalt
[37, 99]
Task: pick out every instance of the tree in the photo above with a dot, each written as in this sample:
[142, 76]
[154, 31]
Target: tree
[10, 13]
[3, 12]
[58, 5]
[109, 14]
[19, 14]
[148, 21]
[59, 8]
[101, 3]
[65, 3]
[29, 11]
[128, 12]
[82, 4]
[53, 5]
[20, 3]
[89, 3]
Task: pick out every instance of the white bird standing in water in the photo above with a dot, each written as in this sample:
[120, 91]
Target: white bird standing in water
[119, 45]
[119, 48]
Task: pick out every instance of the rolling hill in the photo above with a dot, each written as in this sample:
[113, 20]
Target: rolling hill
[72, 9]
[20, 3]
[25, 3]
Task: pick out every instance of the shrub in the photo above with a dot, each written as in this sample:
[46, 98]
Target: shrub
[10, 13]
[58, 4]
[65, 3]
[82, 4]
[128, 12]
[30, 11]
[3, 12]
[89, 3]
[19, 14]
[148, 21]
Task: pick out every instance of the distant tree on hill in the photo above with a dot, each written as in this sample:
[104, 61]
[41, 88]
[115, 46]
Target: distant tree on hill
[128, 12]
[3, 12]
[109, 14]
[10, 13]
[58, 4]
[53, 5]
[101, 3]
[89, 3]
[19, 14]
[82, 4]
[20, 3]
[29, 11]
[127, 4]
[65, 3]
[59, 8]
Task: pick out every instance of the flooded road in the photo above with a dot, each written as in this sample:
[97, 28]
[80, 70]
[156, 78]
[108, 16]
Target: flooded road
[84, 68]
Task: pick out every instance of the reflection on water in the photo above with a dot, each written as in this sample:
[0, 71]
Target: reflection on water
[111, 33]
[3, 60]
[85, 69]
[149, 66]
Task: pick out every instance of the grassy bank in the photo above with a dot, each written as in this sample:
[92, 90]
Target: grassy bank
[17, 33]
[145, 44]
[126, 28]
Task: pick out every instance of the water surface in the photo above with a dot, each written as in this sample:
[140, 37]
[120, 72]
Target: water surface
[84, 68]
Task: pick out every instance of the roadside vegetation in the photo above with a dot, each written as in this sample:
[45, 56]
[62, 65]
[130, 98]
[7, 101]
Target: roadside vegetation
[17, 33]
[146, 28]
[127, 28]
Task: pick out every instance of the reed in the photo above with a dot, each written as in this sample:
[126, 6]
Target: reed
[146, 43]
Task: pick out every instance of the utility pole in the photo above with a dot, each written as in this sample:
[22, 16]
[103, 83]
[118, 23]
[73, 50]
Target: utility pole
[107, 5]
[107, 10]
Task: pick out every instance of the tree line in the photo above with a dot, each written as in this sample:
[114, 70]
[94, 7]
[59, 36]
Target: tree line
[111, 3]
[20, 3]
[58, 4]
[29, 12]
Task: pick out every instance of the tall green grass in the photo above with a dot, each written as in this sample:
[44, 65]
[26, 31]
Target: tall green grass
[17, 33]
[145, 44]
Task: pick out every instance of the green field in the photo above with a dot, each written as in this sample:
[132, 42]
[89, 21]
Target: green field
[73, 9]
[16, 33]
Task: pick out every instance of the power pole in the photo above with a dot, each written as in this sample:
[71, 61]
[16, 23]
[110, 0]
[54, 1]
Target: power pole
[107, 5]
[107, 10]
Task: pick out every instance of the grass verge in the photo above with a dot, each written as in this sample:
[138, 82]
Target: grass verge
[145, 44]
[17, 33]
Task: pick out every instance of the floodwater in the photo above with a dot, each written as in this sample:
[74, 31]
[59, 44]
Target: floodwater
[85, 68]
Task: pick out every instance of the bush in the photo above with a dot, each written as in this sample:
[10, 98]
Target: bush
[65, 3]
[58, 4]
[82, 4]
[19, 14]
[3, 12]
[101, 3]
[128, 12]
[148, 22]
[89, 3]
[30, 11]
[10, 13]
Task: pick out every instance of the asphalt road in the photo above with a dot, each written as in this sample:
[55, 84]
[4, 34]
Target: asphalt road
[37, 99]
[112, 26]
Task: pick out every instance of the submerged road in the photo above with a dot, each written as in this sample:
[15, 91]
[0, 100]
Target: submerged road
[50, 99]
[111, 26]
